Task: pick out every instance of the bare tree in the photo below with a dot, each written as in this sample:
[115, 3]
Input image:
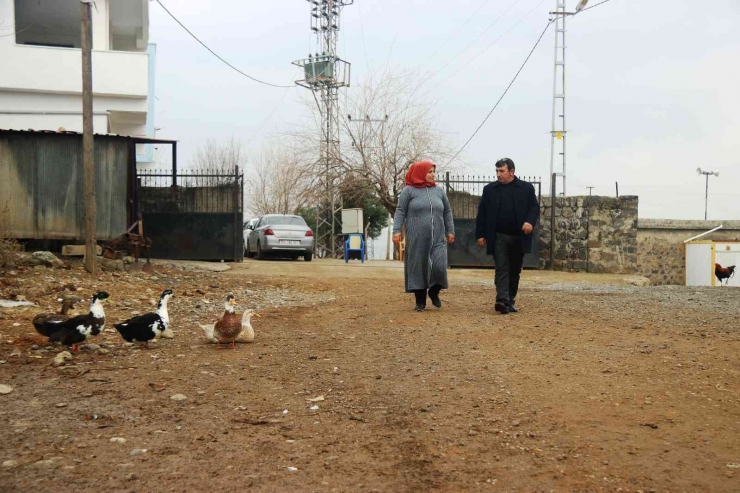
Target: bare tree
[219, 159]
[389, 129]
[279, 183]
[384, 127]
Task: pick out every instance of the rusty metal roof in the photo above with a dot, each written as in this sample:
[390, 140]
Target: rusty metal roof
[140, 140]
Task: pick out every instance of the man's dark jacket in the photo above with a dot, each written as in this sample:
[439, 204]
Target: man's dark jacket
[525, 206]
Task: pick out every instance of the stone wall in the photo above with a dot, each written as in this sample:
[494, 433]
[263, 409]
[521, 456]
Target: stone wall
[661, 255]
[593, 234]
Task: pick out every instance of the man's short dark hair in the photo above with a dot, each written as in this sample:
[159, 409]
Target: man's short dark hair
[505, 162]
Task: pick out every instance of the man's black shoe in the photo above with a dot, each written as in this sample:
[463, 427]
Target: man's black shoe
[501, 308]
[420, 308]
[512, 308]
[435, 299]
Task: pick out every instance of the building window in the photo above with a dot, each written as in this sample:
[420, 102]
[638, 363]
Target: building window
[46, 23]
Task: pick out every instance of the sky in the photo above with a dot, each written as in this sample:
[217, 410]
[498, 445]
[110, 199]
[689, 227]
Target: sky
[653, 86]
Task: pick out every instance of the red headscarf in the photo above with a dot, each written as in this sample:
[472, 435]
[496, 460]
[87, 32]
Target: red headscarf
[416, 176]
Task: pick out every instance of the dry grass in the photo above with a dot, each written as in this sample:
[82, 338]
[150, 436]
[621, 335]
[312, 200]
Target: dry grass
[9, 247]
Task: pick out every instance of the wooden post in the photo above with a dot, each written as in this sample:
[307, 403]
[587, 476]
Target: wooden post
[390, 233]
[87, 140]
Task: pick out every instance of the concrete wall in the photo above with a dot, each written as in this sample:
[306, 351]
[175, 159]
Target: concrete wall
[660, 247]
[59, 70]
[41, 86]
[592, 234]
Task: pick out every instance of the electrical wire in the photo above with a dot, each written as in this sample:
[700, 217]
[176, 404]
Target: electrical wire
[465, 64]
[458, 29]
[269, 117]
[592, 6]
[504, 94]
[216, 54]
[488, 28]
[432, 76]
[362, 32]
[17, 32]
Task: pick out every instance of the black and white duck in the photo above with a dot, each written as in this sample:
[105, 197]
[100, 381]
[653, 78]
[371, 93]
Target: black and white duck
[77, 329]
[144, 328]
[47, 323]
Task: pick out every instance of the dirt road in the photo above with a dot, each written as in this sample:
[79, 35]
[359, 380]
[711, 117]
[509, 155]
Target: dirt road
[597, 385]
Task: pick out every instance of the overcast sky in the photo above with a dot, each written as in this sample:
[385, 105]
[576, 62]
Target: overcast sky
[653, 86]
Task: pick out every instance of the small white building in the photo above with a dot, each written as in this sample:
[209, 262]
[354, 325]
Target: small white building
[41, 68]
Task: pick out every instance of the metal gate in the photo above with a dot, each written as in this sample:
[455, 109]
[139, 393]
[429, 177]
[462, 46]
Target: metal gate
[192, 216]
[464, 193]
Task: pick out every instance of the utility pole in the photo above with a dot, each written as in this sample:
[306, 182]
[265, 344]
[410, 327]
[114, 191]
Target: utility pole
[707, 174]
[364, 138]
[558, 132]
[324, 74]
[589, 190]
[87, 139]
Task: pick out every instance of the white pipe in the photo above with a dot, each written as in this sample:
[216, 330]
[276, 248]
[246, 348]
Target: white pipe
[710, 231]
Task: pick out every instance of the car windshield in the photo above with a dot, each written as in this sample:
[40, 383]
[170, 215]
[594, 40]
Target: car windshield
[285, 221]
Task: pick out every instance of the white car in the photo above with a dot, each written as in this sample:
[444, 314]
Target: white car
[281, 234]
[248, 228]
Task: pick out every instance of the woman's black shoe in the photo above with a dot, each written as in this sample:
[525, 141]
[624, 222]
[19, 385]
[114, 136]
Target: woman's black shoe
[421, 299]
[434, 295]
[435, 299]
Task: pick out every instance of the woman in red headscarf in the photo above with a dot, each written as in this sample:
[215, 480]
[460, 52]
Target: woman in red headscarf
[424, 210]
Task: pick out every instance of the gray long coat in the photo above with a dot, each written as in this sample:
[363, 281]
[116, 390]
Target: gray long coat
[428, 218]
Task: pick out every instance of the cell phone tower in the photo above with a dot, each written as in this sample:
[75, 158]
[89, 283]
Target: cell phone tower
[324, 73]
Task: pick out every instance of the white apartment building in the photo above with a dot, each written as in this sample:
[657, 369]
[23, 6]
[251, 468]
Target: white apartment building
[41, 68]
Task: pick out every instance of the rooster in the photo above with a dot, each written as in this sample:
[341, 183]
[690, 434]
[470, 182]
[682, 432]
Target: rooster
[723, 273]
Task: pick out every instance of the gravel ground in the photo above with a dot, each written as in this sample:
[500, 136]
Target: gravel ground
[596, 385]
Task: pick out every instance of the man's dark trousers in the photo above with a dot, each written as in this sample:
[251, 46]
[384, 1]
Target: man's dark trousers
[508, 254]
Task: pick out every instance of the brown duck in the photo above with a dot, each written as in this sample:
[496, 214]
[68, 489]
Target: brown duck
[46, 323]
[228, 328]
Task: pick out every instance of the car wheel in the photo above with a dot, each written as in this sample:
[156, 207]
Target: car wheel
[260, 253]
[247, 253]
[308, 256]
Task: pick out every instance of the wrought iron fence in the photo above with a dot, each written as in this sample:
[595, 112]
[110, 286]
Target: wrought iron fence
[464, 192]
[192, 216]
[201, 191]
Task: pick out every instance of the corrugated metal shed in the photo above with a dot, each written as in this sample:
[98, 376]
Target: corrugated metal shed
[41, 184]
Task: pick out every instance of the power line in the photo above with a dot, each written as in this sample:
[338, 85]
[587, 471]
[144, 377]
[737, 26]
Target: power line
[476, 39]
[362, 32]
[269, 117]
[432, 76]
[481, 52]
[592, 6]
[214, 53]
[17, 32]
[504, 94]
[458, 29]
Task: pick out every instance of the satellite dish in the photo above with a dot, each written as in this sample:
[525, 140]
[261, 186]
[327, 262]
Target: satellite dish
[698, 171]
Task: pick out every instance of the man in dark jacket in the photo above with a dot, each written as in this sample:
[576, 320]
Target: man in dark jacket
[507, 213]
